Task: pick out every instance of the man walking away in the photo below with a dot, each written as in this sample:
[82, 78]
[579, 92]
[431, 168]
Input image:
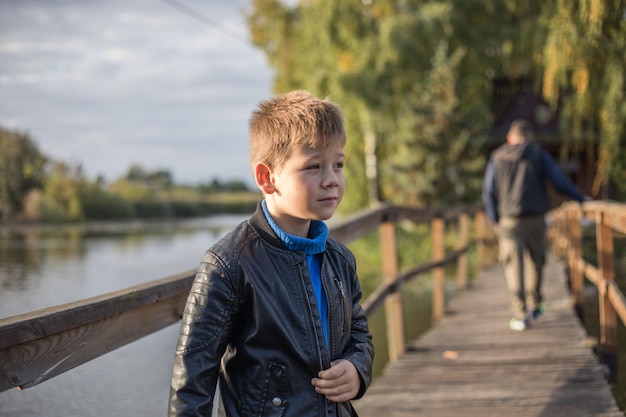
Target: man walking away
[516, 200]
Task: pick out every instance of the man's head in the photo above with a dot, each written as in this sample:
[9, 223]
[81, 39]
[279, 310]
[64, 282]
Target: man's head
[295, 118]
[520, 131]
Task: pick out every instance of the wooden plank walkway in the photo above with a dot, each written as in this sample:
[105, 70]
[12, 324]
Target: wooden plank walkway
[471, 364]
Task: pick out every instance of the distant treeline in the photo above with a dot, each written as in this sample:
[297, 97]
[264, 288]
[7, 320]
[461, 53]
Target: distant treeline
[177, 202]
[36, 188]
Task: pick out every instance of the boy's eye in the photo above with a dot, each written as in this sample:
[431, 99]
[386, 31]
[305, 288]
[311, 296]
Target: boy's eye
[313, 166]
[339, 165]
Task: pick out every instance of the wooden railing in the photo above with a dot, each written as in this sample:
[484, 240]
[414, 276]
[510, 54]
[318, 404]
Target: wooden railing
[566, 232]
[388, 293]
[37, 346]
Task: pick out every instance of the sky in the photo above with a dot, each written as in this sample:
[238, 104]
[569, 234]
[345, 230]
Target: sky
[163, 84]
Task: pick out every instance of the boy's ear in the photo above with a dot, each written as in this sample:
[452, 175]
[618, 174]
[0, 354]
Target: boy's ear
[263, 178]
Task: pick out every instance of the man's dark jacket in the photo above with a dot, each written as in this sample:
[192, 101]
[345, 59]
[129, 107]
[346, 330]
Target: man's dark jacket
[252, 307]
[515, 181]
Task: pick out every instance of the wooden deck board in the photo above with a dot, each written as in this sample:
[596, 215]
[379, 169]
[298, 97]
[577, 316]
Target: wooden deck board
[470, 363]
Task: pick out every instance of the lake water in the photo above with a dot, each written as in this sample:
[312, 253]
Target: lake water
[44, 268]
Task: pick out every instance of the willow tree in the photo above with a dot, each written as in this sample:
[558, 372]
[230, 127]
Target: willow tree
[585, 61]
[312, 46]
[412, 78]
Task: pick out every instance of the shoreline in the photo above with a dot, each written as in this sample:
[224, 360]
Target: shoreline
[209, 222]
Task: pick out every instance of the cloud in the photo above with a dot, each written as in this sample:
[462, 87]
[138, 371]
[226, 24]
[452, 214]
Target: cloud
[112, 83]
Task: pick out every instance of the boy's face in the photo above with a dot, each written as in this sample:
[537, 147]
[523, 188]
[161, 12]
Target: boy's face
[309, 186]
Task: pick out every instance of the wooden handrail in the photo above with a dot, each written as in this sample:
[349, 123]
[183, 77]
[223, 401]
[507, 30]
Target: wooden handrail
[37, 346]
[565, 233]
[377, 297]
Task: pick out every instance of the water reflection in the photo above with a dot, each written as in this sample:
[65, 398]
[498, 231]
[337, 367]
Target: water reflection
[43, 267]
[46, 267]
[20, 260]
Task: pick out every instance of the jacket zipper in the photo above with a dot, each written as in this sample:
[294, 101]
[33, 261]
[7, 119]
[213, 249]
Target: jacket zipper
[312, 315]
[343, 303]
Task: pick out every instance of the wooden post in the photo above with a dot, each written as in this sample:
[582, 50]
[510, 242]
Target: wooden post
[479, 227]
[439, 278]
[553, 234]
[576, 277]
[564, 245]
[461, 277]
[608, 317]
[393, 303]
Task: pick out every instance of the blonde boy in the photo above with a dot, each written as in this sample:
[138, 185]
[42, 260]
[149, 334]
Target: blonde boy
[276, 301]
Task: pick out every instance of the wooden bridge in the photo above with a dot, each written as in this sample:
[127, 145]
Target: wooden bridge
[468, 363]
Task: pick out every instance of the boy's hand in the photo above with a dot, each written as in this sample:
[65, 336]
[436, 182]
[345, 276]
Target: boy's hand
[339, 383]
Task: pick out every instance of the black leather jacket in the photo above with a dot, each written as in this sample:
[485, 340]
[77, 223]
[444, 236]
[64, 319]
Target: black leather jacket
[252, 308]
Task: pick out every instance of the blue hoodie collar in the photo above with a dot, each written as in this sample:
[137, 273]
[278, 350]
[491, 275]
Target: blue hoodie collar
[315, 243]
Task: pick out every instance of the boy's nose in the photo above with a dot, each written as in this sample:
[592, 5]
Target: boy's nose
[330, 179]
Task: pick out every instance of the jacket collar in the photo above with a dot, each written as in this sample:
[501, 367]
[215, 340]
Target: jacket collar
[259, 222]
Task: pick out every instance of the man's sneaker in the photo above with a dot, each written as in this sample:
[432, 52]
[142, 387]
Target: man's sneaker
[538, 312]
[518, 325]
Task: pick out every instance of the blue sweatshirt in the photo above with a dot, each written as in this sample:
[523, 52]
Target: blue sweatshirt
[312, 246]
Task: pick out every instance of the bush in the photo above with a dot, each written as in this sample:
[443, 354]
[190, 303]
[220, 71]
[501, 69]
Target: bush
[50, 211]
[101, 205]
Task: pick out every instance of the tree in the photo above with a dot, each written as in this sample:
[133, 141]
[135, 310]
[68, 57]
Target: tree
[62, 193]
[22, 168]
[585, 61]
[412, 78]
[160, 178]
[216, 185]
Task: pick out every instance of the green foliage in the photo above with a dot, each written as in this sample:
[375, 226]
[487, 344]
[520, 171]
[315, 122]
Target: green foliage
[411, 78]
[220, 186]
[584, 58]
[366, 250]
[51, 211]
[99, 204]
[132, 190]
[35, 188]
[154, 195]
[22, 169]
[161, 178]
[61, 193]
[436, 154]
[414, 242]
[414, 81]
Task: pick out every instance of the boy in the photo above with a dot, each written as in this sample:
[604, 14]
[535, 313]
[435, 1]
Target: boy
[276, 301]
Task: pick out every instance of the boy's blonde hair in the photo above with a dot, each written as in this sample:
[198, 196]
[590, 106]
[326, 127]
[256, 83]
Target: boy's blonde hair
[295, 118]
